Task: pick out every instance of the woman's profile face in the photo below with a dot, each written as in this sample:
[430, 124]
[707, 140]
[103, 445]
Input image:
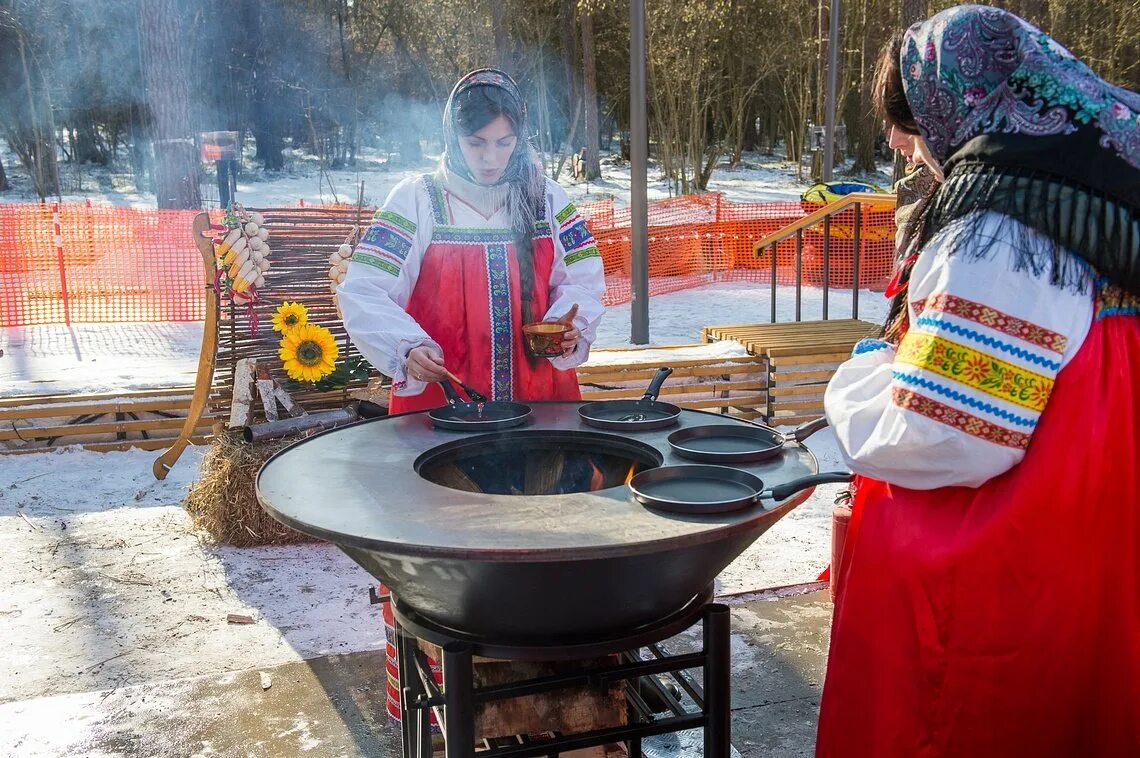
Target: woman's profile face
[488, 150]
[913, 146]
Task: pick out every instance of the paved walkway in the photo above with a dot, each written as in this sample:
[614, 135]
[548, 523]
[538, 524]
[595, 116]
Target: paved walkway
[333, 706]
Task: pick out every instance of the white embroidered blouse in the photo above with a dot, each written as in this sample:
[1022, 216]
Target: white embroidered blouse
[957, 402]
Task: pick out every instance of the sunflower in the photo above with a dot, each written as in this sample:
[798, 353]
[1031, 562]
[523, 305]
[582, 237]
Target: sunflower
[289, 316]
[309, 352]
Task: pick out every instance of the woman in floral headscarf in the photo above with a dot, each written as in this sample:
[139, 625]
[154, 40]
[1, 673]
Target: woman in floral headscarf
[457, 261]
[991, 594]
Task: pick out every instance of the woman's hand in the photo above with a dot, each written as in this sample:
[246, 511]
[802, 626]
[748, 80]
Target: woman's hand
[425, 364]
[570, 338]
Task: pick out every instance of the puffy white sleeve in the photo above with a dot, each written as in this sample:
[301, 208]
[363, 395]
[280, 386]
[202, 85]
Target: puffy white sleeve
[957, 403]
[577, 276]
[381, 278]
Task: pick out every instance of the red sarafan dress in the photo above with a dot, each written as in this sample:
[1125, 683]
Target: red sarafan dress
[990, 602]
[438, 267]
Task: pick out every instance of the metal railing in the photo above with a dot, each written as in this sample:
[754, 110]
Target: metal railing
[796, 229]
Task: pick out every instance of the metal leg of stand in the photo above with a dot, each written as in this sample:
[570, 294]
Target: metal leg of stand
[458, 707]
[634, 748]
[406, 665]
[718, 677]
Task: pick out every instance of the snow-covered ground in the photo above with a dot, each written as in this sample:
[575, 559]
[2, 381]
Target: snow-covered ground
[758, 178]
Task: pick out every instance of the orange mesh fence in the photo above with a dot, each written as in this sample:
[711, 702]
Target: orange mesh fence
[698, 240]
[110, 264]
[73, 263]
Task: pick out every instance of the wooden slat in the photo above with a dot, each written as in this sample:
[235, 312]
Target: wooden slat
[802, 389]
[107, 447]
[801, 358]
[686, 389]
[726, 402]
[805, 405]
[24, 400]
[86, 430]
[53, 410]
[791, 377]
[676, 378]
[676, 365]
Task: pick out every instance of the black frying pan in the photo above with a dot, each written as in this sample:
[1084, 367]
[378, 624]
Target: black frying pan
[462, 416]
[633, 415]
[696, 489]
[724, 443]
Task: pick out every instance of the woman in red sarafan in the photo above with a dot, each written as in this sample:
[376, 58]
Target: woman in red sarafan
[990, 602]
[458, 260]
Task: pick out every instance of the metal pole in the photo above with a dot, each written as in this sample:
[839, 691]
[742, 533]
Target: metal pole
[458, 708]
[829, 104]
[639, 157]
[718, 682]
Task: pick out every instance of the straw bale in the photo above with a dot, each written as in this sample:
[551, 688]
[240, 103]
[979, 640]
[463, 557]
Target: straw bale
[222, 501]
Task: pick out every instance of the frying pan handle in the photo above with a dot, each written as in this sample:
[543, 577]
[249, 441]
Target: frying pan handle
[453, 397]
[655, 386]
[801, 433]
[787, 489]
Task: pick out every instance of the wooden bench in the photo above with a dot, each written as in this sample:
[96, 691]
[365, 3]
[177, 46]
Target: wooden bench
[734, 384]
[799, 359]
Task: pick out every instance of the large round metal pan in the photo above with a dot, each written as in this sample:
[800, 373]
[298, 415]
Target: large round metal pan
[719, 443]
[697, 489]
[633, 415]
[460, 416]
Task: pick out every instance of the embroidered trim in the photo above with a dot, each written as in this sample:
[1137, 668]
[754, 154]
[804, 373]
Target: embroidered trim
[383, 238]
[472, 235]
[376, 261]
[391, 217]
[996, 320]
[1112, 301]
[960, 420]
[438, 201]
[1005, 347]
[576, 235]
[975, 369]
[868, 346]
[565, 213]
[502, 342]
[581, 255]
[953, 394]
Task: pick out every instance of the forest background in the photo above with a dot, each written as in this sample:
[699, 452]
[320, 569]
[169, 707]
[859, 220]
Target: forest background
[136, 81]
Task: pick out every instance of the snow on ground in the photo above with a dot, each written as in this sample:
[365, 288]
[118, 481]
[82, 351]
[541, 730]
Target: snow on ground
[758, 178]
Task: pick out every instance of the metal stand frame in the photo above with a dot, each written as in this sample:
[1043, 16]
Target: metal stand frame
[454, 705]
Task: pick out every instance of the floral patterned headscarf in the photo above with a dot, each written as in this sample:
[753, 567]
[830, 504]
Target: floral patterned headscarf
[1024, 128]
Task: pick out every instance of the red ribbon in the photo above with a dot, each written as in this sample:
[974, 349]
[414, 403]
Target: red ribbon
[894, 286]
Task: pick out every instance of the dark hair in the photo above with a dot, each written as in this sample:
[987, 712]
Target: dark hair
[482, 104]
[888, 95]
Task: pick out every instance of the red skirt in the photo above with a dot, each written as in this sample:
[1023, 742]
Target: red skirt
[1003, 620]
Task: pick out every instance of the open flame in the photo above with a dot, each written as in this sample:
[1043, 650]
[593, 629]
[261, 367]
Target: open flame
[597, 478]
[629, 476]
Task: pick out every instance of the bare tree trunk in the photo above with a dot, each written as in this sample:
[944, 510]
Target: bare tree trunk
[167, 82]
[590, 98]
[503, 58]
[3, 178]
[569, 56]
[910, 12]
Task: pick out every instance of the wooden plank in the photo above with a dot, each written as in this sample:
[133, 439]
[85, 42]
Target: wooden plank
[802, 389]
[684, 389]
[107, 447]
[801, 406]
[677, 377]
[85, 409]
[792, 420]
[791, 377]
[652, 366]
[22, 400]
[794, 359]
[726, 402]
[86, 430]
